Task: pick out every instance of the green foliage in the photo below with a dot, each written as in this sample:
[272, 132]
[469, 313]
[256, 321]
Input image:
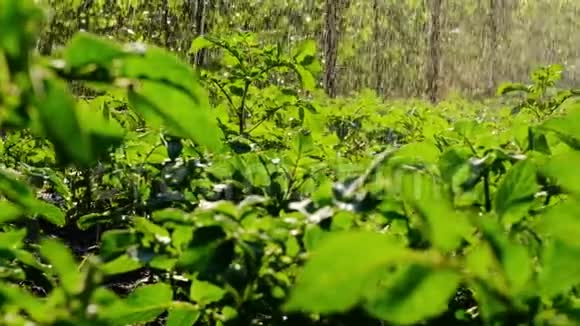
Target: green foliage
[264, 202]
[541, 97]
[255, 83]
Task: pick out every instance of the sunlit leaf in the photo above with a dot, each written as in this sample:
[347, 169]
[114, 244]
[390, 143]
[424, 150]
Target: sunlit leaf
[12, 239]
[513, 257]
[70, 141]
[205, 293]
[337, 264]
[120, 265]
[17, 296]
[143, 305]
[183, 314]
[562, 168]
[562, 222]
[64, 265]
[117, 241]
[178, 111]
[445, 226]
[516, 192]
[417, 294]
[9, 211]
[19, 193]
[85, 48]
[89, 220]
[560, 270]
[200, 43]
[567, 127]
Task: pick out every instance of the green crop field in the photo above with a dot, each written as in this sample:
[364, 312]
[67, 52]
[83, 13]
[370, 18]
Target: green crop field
[155, 174]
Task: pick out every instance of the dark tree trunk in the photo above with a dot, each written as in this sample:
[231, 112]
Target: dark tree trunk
[434, 50]
[378, 71]
[493, 44]
[331, 38]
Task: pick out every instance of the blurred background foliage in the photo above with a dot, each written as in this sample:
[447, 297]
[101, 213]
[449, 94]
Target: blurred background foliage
[399, 48]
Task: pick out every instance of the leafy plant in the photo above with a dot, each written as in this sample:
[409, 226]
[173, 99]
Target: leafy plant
[541, 97]
[256, 85]
[152, 201]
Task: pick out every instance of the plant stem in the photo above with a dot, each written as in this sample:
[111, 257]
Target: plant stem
[242, 109]
[486, 191]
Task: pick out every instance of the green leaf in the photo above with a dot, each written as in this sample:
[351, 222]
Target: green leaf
[172, 215]
[538, 141]
[20, 23]
[85, 48]
[120, 265]
[89, 220]
[306, 78]
[169, 92]
[562, 167]
[567, 128]
[561, 270]
[181, 235]
[205, 293]
[562, 222]
[35, 307]
[70, 142]
[19, 193]
[512, 87]
[143, 305]
[303, 144]
[163, 262]
[12, 239]
[200, 43]
[183, 314]
[308, 64]
[178, 111]
[337, 266]
[445, 227]
[105, 298]
[30, 259]
[50, 212]
[489, 303]
[147, 227]
[516, 192]
[64, 265]
[417, 294]
[305, 50]
[420, 152]
[79, 134]
[9, 212]
[312, 236]
[228, 313]
[466, 128]
[163, 67]
[513, 257]
[209, 253]
[15, 190]
[103, 133]
[114, 242]
[452, 160]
